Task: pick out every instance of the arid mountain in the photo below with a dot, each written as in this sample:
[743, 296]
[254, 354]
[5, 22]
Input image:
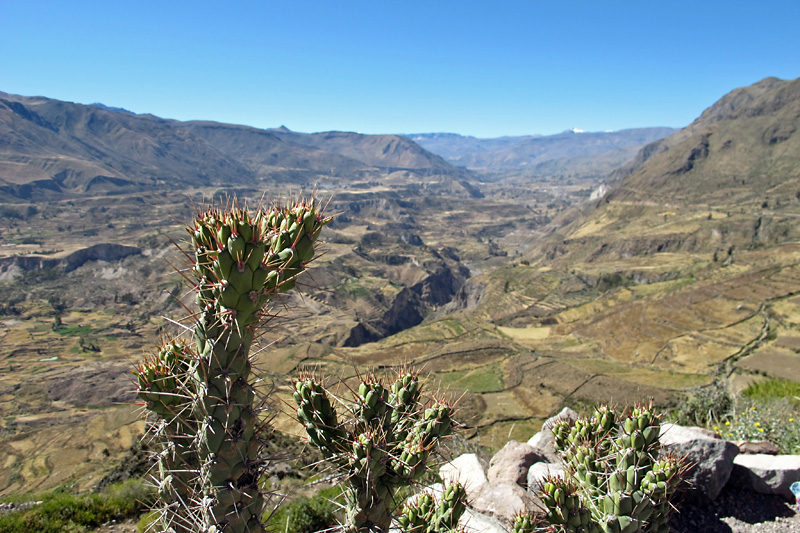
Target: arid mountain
[570, 151]
[730, 179]
[54, 149]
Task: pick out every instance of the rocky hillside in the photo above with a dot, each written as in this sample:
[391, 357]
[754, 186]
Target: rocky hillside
[51, 149]
[729, 180]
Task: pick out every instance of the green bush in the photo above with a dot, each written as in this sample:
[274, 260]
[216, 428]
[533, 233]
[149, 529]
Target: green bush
[308, 514]
[62, 512]
[703, 406]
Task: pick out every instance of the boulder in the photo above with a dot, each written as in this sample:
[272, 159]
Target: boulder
[767, 474]
[710, 459]
[511, 464]
[505, 500]
[466, 469]
[758, 446]
[539, 471]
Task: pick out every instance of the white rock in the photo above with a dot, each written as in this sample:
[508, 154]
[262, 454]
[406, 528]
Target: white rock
[505, 501]
[767, 474]
[467, 470]
[539, 471]
[474, 522]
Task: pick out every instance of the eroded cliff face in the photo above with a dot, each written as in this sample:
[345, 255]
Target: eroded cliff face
[412, 304]
[10, 267]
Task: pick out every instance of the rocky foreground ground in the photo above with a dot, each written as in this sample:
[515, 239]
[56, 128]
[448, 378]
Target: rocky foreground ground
[728, 489]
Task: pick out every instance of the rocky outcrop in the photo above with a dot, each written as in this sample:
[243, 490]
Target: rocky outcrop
[99, 252]
[468, 296]
[411, 305]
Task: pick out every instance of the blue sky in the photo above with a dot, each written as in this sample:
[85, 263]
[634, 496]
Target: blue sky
[477, 68]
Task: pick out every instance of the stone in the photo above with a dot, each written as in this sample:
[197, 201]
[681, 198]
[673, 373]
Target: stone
[474, 522]
[710, 459]
[767, 474]
[512, 462]
[505, 500]
[467, 470]
[539, 471]
[545, 445]
[758, 446]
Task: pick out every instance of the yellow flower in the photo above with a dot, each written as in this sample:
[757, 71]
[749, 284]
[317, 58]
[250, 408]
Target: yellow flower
[753, 408]
[761, 430]
[758, 424]
[727, 422]
[715, 428]
[791, 420]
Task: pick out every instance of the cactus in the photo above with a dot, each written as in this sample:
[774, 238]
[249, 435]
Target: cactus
[424, 515]
[202, 394]
[166, 383]
[617, 481]
[383, 446]
[524, 523]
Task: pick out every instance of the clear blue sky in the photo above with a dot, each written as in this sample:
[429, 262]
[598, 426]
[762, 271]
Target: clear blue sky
[477, 68]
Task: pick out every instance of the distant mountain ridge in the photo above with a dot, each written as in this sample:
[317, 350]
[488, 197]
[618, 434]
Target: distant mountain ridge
[540, 153]
[52, 149]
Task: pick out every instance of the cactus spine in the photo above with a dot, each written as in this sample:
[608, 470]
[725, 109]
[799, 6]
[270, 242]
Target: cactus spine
[205, 401]
[384, 446]
[617, 481]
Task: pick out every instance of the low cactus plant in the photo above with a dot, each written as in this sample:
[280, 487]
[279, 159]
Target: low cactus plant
[382, 444]
[617, 480]
[202, 392]
[425, 515]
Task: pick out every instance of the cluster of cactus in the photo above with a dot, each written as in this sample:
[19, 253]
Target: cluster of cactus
[201, 392]
[382, 444]
[525, 523]
[617, 480]
[425, 515]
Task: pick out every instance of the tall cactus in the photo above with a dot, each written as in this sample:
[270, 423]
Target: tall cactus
[617, 481]
[383, 443]
[203, 395]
